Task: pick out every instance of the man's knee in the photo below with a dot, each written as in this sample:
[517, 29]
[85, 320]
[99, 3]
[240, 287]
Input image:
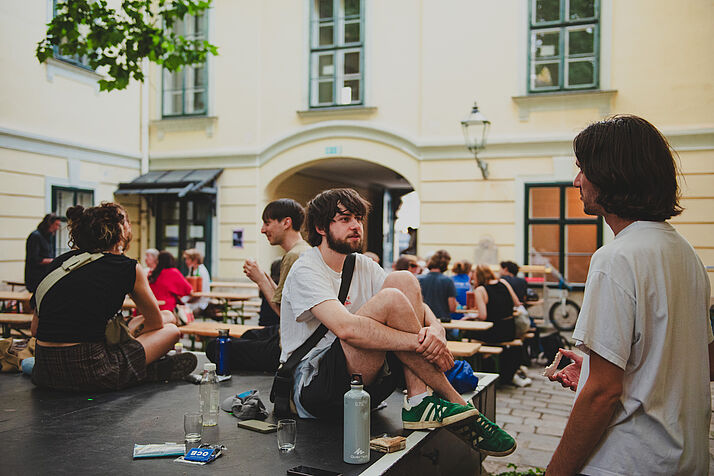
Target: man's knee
[402, 280]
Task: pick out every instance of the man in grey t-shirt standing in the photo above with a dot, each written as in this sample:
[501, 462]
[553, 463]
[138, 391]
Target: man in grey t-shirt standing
[643, 400]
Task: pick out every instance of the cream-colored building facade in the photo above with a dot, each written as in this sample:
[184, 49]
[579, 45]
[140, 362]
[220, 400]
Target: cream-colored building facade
[261, 113]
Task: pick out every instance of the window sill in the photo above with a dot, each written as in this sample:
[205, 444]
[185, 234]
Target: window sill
[329, 111]
[591, 99]
[71, 71]
[185, 124]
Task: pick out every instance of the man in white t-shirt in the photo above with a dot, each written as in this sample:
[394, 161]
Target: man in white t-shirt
[383, 331]
[643, 400]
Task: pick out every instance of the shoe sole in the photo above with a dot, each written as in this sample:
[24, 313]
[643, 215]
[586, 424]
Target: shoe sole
[180, 366]
[485, 452]
[425, 425]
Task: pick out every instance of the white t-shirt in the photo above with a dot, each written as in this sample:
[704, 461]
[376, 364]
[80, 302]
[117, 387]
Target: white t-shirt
[311, 282]
[646, 309]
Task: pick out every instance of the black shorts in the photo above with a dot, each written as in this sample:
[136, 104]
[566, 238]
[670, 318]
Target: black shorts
[324, 396]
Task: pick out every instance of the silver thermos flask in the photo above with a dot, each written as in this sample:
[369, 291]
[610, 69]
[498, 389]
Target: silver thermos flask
[356, 424]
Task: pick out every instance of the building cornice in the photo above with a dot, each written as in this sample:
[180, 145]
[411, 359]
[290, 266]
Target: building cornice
[504, 146]
[46, 145]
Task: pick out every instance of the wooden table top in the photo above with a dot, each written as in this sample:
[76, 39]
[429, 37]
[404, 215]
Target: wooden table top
[130, 304]
[210, 328]
[222, 295]
[233, 284]
[15, 296]
[467, 325]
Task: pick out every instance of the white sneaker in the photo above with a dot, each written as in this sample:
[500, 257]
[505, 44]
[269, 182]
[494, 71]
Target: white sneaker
[519, 381]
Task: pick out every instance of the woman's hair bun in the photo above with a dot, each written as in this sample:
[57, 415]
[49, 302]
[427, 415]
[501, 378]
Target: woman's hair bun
[75, 213]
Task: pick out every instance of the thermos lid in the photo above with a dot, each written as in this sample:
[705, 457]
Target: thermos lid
[223, 332]
[356, 379]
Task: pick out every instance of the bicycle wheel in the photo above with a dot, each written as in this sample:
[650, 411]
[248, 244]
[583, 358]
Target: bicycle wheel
[564, 316]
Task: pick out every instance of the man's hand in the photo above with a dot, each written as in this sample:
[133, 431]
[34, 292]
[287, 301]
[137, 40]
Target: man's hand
[253, 271]
[432, 346]
[570, 375]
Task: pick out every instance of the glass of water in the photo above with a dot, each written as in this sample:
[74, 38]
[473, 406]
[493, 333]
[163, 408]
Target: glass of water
[193, 429]
[286, 435]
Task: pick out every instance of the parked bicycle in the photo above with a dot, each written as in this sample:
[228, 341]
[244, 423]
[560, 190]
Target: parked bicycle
[562, 312]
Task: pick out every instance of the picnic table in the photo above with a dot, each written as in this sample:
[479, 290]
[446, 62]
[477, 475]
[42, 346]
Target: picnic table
[14, 301]
[228, 300]
[203, 329]
[467, 325]
[13, 284]
[233, 284]
[15, 320]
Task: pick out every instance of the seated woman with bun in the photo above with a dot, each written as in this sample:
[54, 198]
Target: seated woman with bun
[72, 353]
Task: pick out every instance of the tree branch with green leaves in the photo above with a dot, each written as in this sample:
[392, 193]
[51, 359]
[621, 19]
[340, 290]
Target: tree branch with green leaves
[118, 40]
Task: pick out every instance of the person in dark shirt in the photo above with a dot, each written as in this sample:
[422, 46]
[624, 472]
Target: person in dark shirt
[39, 250]
[509, 272]
[70, 321]
[438, 290]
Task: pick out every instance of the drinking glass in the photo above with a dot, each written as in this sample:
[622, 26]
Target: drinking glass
[193, 429]
[286, 435]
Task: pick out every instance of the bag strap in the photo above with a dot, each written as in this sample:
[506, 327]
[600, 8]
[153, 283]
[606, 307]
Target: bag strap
[289, 366]
[69, 265]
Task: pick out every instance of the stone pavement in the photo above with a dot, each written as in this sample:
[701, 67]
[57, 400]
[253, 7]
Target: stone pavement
[536, 416]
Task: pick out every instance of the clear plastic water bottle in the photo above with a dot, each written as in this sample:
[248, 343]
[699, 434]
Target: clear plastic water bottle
[224, 347]
[209, 395]
[356, 429]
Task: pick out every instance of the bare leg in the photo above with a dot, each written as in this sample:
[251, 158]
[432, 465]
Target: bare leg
[159, 341]
[394, 306]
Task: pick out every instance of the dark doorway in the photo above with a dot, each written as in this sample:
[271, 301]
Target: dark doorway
[183, 223]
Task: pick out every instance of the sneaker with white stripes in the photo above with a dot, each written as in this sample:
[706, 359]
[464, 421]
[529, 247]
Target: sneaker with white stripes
[434, 412]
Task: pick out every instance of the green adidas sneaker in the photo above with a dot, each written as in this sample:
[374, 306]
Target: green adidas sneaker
[485, 436]
[433, 412]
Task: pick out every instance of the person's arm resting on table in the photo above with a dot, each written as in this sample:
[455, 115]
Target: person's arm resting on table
[590, 416]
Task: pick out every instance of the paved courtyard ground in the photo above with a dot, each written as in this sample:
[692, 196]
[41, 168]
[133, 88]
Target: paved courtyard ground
[536, 417]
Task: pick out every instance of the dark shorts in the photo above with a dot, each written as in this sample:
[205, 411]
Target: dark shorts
[90, 366]
[324, 396]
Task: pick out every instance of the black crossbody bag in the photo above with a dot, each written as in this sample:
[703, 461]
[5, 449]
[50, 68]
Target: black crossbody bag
[281, 393]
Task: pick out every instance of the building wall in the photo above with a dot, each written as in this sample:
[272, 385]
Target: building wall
[424, 66]
[56, 128]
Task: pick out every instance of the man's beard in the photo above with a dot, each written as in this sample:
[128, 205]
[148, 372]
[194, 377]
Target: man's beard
[343, 246]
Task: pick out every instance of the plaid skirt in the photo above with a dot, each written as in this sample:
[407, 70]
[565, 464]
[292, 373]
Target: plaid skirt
[90, 366]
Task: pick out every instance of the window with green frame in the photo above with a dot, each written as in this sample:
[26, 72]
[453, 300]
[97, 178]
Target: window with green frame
[557, 231]
[76, 60]
[62, 199]
[564, 42]
[336, 53]
[185, 92]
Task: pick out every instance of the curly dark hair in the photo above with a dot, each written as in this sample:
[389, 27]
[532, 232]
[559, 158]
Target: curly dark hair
[632, 166]
[97, 228]
[440, 259]
[323, 208]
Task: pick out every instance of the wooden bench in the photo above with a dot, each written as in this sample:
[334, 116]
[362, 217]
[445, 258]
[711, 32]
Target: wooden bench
[13, 320]
[463, 350]
[203, 329]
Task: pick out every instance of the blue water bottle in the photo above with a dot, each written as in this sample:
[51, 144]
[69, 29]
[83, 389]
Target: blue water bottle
[224, 349]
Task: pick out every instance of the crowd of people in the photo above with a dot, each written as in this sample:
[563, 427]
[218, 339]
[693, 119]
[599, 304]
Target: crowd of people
[640, 408]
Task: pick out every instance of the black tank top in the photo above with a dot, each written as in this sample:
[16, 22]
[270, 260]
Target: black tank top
[500, 303]
[77, 307]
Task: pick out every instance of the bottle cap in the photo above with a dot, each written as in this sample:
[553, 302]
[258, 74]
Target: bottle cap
[209, 366]
[178, 345]
[356, 379]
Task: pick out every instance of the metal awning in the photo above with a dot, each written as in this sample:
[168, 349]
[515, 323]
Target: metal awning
[170, 182]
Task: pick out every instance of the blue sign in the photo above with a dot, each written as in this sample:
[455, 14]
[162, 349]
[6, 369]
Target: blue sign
[333, 150]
